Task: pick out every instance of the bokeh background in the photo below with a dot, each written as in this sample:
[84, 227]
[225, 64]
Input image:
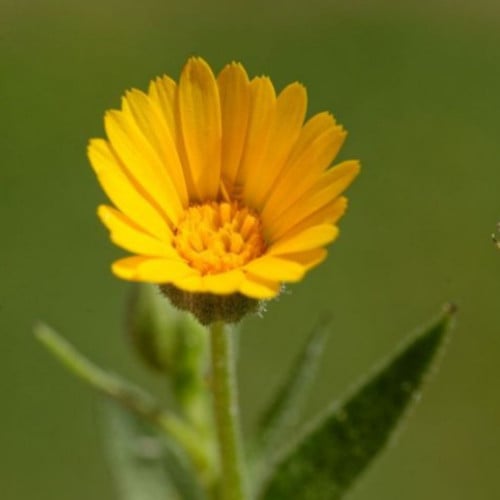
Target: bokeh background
[416, 84]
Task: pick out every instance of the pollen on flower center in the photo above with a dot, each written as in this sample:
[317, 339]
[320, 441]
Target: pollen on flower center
[215, 237]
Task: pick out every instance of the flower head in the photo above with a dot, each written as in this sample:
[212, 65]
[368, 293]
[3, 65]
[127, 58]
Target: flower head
[218, 185]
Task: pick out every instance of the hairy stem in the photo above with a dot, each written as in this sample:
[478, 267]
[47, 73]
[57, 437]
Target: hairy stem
[233, 473]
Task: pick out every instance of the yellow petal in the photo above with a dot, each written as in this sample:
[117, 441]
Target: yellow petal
[327, 188]
[235, 107]
[313, 237]
[190, 283]
[309, 258]
[275, 269]
[223, 283]
[262, 114]
[303, 171]
[290, 112]
[126, 234]
[258, 288]
[151, 270]
[327, 214]
[141, 162]
[314, 128]
[338, 178]
[124, 192]
[162, 91]
[153, 124]
[200, 122]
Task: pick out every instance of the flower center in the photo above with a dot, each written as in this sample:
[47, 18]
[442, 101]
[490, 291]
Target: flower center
[216, 237]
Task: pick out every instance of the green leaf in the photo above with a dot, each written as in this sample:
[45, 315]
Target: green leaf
[129, 396]
[285, 409]
[144, 465]
[104, 381]
[325, 461]
[134, 458]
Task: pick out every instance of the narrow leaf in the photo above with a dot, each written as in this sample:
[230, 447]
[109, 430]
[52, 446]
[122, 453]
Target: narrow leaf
[127, 394]
[102, 380]
[134, 458]
[144, 465]
[285, 409]
[326, 460]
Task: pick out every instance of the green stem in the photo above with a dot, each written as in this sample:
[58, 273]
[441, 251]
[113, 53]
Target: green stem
[128, 395]
[233, 474]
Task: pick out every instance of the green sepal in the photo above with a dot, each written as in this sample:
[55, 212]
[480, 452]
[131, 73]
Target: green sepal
[284, 411]
[324, 462]
[145, 465]
[209, 308]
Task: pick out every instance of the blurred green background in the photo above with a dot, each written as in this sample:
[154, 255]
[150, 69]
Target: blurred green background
[416, 84]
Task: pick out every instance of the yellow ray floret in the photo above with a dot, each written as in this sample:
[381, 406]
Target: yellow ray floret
[218, 184]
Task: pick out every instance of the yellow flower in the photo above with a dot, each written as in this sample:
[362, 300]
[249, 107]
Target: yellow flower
[219, 186]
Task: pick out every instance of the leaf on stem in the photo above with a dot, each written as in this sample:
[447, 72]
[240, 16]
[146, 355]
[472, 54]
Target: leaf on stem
[111, 385]
[144, 465]
[285, 409]
[129, 396]
[325, 461]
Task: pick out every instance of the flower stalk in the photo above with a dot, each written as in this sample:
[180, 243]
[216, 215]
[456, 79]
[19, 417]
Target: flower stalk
[233, 483]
